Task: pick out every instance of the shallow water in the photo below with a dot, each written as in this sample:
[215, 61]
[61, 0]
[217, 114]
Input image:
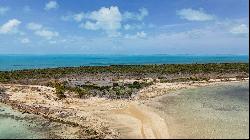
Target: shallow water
[207, 112]
[15, 125]
[12, 125]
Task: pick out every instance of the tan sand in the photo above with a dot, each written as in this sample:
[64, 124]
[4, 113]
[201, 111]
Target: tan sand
[129, 118]
[138, 121]
[159, 89]
[107, 118]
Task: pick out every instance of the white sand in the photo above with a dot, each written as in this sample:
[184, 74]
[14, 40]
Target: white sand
[112, 118]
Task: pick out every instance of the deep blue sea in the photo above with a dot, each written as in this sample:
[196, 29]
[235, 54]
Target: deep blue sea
[18, 62]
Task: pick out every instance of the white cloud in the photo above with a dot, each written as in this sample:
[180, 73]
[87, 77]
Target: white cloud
[127, 26]
[235, 27]
[25, 40]
[34, 26]
[143, 12]
[51, 5]
[240, 29]
[107, 19]
[79, 17]
[3, 10]
[89, 25]
[133, 26]
[46, 33]
[141, 34]
[10, 26]
[42, 31]
[194, 15]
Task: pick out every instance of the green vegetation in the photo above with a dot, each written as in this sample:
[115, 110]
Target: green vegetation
[83, 91]
[86, 77]
[60, 89]
[80, 92]
[125, 69]
[138, 85]
[135, 84]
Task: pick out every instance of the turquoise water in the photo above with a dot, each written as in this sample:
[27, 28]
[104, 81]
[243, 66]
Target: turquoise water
[208, 112]
[16, 125]
[13, 125]
[17, 62]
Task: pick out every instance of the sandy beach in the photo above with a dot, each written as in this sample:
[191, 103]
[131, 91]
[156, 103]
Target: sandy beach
[100, 117]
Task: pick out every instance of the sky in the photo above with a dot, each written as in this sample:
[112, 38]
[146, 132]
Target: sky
[124, 27]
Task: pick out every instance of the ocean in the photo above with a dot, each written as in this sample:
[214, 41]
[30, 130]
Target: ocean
[19, 62]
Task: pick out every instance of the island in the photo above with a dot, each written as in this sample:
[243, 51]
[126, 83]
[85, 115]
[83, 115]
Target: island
[108, 101]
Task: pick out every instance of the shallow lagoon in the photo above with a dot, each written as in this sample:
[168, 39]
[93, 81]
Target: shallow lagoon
[207, 112]
[15, 125]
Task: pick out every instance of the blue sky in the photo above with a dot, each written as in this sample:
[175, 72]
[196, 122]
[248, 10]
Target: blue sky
[124, 27]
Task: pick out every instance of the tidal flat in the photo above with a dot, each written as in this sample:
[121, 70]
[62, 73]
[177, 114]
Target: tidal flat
[219, 111]
[15, 125]
[19, 125]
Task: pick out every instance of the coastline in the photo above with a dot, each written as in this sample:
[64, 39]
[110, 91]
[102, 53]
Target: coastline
[119, 70]
[219, 110]
[159, 88]
[96, 116]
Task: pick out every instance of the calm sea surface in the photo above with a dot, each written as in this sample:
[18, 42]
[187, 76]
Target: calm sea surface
[17, 62]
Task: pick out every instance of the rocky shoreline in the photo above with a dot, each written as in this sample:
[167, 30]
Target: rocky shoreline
[58, 116]
[89, 116]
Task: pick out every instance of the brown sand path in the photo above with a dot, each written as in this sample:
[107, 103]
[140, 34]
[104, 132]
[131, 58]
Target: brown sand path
[137, 121]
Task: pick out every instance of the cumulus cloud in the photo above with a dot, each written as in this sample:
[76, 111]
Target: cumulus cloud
[25, 40]
[141, 34]
[107, 19]
[143, 12]
[34, 26]
[89, 25]
[46, 33]
[194, 15]
[133, 26]
[51, 5]
[10, 26]
[79, 17]
[42, 31]
[240, 29]
[3, 10]
[127, 26]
